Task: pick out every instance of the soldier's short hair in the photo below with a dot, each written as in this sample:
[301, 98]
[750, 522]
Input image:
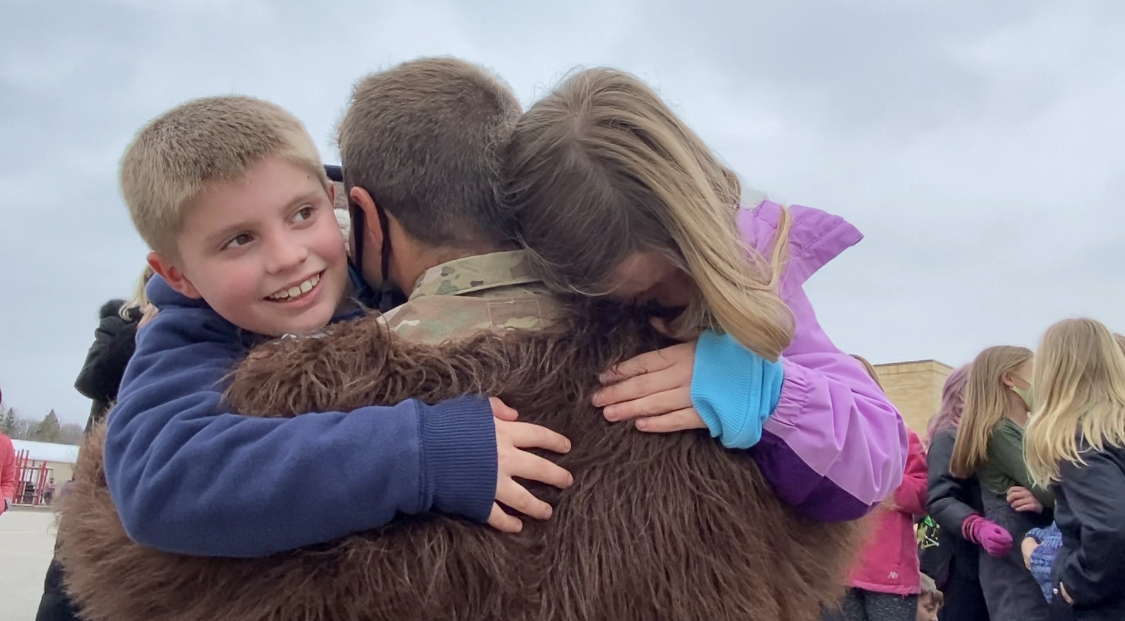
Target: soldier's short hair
[424, 138]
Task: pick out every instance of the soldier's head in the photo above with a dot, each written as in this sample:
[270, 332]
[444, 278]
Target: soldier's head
[420, 145]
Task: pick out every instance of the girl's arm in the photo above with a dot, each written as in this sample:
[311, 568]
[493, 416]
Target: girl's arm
[910, 497]
[1005, 451]
[948, 496]
[1095, 493]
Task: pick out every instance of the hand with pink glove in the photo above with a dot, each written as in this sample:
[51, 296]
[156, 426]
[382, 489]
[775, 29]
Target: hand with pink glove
[989, 535]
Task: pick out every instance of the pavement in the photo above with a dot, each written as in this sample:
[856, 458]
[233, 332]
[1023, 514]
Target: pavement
[27, 541]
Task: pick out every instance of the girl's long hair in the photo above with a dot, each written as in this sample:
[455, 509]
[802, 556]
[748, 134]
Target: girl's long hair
[601, 169]
[1079, 389]
[139, 300]
[986, 404]
[952, 404]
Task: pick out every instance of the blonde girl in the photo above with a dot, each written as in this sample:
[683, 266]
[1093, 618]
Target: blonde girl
[614, 195]
[1076, 443]
[989, 446]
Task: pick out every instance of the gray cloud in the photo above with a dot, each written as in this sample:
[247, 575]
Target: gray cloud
[976, 144]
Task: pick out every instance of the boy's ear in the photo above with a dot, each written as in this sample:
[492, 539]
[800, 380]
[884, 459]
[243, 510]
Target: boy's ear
[172, 275]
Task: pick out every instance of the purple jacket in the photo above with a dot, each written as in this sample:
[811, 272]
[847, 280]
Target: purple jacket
[835, 446]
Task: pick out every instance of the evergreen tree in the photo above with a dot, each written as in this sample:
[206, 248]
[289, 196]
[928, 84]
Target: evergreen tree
[48, 430]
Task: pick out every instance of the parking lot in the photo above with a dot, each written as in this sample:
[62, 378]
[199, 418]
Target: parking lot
[27, 539]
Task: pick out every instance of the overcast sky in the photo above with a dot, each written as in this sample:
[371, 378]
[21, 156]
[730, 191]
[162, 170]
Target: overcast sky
[980, 146]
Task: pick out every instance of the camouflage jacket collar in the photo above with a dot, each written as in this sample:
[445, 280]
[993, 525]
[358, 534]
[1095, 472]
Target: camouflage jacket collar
[486, 271]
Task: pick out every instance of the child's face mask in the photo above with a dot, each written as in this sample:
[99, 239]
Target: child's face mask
[1024, 393]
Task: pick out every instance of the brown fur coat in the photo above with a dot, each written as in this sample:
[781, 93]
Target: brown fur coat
[655, 527]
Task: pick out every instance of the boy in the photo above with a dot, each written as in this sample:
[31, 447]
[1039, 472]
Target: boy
[930, 600]
[231, 196]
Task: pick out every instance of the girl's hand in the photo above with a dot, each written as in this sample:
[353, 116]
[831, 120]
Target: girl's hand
[1027, 547]
[1023, 501]
[654, 389]
[1065, 595]
[147, 316]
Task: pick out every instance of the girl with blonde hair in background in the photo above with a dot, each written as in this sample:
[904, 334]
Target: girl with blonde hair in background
[613, 195]
[989, 445]
[1076, 443]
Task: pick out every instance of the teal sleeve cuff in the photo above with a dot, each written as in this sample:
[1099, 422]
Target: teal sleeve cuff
[733, 389]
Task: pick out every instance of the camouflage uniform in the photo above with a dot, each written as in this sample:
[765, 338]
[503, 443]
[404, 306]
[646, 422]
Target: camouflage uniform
[461, 297]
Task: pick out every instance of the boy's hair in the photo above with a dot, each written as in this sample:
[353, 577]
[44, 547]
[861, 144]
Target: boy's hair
[929, 589]
[424, 139]
[601, 169]
[1079, 387]
[986, 403]
[214, 139]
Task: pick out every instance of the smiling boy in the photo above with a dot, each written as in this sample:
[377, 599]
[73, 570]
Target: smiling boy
[231, 196]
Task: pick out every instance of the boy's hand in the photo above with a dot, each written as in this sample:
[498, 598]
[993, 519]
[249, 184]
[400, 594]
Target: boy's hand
[515, 462]
[654, 389]
[1023, 501]
[1028, 547]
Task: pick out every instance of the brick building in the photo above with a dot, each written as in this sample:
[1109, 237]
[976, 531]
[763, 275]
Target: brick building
[915, 389]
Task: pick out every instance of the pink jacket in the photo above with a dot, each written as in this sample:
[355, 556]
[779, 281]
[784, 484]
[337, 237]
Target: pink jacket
[890, 559]
[835, 446]
[7, 472]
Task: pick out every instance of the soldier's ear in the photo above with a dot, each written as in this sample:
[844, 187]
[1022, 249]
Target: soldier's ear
[372, 230]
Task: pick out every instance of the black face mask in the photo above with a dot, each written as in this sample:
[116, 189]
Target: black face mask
[389, 296]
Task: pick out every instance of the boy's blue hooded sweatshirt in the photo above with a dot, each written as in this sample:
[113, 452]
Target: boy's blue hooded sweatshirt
[188, 477]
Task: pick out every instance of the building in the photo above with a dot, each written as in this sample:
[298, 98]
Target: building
[915, 389]
[39, 462]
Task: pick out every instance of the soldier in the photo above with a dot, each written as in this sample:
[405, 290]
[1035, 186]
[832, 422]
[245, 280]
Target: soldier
[420, 145]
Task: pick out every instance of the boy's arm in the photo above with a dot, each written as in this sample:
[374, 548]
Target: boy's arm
[1094, 573]
[188, 478]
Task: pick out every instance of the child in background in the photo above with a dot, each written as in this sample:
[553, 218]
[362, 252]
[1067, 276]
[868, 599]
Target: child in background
[1040, 549]
[930, 600]
[885, 582]
[1076, 443]
[614, 195]
[231, 196]
[989, 445]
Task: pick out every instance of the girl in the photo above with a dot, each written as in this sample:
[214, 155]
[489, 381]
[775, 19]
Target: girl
[885, 584]
[989, 445]
[614, 195]
[1076, 441]
[952, 503]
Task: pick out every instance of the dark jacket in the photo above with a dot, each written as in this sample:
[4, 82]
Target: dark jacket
[114, 343]
[950, 501]
[190, 478]
[1090, 513]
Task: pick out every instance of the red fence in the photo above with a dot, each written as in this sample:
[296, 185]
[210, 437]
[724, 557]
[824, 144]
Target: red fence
[32, 479]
